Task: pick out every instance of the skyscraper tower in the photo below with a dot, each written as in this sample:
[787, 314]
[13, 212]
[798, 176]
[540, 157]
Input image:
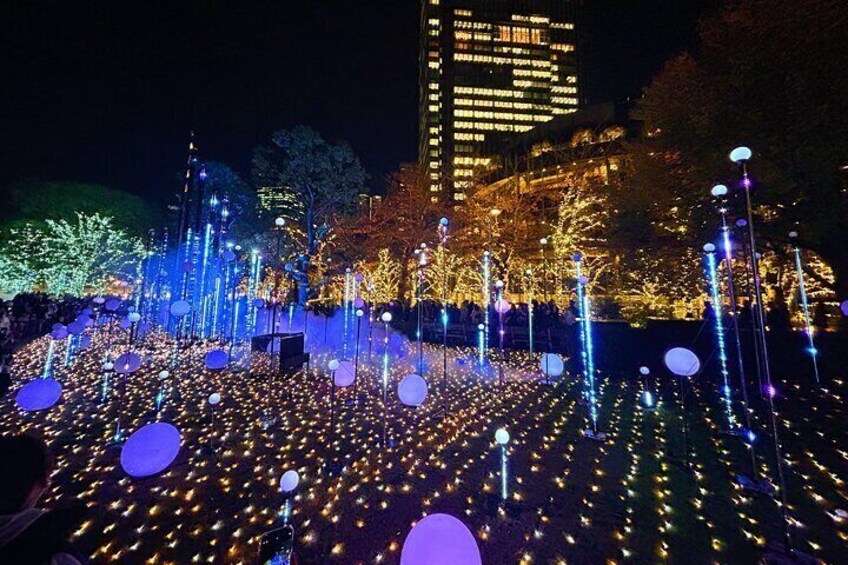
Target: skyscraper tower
[489, 69]
[192, 195]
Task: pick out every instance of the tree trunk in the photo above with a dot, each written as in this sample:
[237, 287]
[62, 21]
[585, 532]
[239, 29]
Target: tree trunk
[303, 283]
[403, 283]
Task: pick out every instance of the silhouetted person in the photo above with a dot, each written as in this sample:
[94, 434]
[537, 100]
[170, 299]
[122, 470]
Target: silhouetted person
[820, 317]
[30, 535]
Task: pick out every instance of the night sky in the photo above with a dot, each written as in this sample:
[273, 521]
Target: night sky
[107, 92]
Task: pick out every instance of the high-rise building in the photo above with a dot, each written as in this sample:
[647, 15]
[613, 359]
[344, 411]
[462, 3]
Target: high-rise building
[489, 69]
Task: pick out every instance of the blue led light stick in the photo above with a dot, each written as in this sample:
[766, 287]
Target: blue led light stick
[806, 308]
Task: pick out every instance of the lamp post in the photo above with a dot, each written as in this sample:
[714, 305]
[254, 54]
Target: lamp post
[719, 191]
[500, 306]
[543, 243]
[359, 314]
[741, 156]
[502, 439]
[278, 223]
[529, 274]
[422, 262]
[793, 235]
[443, 241]
[386, 318]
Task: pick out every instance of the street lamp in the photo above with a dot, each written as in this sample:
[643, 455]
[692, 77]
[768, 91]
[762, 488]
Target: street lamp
[543, 243]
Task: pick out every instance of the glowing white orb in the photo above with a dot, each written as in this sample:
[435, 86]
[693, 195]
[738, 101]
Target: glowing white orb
[644, 370]
[502, 436]
[150, 449]
[793, 234]
[709, 247]
[440, 539]
[164, 374]
[740, 154]
[214, 398]
[552, 364]
[412, 390]
[502, 306]
[345, 374]
[682, 362]
[719, 190]
[134, 317]
[289, 481]
[386, 317]
[333, 365]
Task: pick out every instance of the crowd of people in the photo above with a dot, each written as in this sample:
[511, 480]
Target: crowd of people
[545, 314]
[30, 315]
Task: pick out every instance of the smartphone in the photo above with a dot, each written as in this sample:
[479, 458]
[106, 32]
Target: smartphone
[275, 546]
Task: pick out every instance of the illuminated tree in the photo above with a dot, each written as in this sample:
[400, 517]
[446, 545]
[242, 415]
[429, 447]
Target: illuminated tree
[772, 77]
[71, 257]
[406, 218]
[382, 278]
[316, 181]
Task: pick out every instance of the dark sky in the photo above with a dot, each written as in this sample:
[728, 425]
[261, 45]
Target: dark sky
[108, 91]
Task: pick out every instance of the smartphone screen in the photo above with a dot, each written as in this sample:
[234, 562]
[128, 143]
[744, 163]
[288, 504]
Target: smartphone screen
[275, 546]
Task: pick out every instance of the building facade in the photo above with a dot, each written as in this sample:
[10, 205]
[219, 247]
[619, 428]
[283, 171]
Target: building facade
[489, 69]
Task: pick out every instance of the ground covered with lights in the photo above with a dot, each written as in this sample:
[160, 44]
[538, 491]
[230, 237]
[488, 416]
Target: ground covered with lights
[571, 499]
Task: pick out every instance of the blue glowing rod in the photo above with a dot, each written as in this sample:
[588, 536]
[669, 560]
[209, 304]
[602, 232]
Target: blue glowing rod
[805, 306]
[586, 340]
[712, 275]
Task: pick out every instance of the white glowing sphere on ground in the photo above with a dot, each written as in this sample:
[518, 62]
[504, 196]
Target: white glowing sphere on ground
[164, 374]
[644, 370]
[502, 436]
[39, 394]
[709, 247]
[333, 365]
[386, 317]
[412, 390]
[289, 481]
[682, 362]
[214, 398]
[150, 450]
[552, 364]
[108, 366]
[740, 154]
[502, 306]
[345, 374]
[279, 222]
[134, 317]
[440, 539]
[719, 190]
[127, 363]
[499, 284]
[360, 312]
[793, 234]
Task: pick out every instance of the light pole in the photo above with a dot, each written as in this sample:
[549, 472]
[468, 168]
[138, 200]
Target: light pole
[278, 223]
[443, 241]
[741, 156]
[422, 262]
[720, 191]
[793, 235]
[543, 243]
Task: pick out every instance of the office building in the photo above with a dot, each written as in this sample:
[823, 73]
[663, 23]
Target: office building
[489, 69]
